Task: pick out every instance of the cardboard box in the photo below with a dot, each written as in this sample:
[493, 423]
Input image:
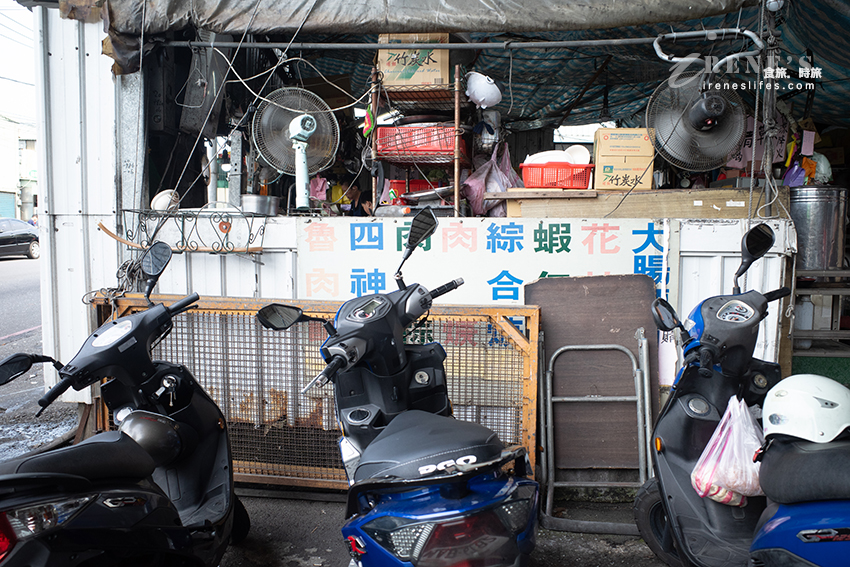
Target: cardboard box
[619, 173]
[621, 157]
[622, 142]
[410, 67]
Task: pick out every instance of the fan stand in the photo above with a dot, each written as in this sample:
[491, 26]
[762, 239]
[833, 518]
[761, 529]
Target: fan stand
[300, 130]
[302, 179]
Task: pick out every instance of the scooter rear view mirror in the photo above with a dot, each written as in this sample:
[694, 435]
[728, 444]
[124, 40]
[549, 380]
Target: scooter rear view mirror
[758, 241]
[755, 244]
[153, 263]
[13, 366]
[665, 316]
[423, 225]
[278, 317]
[155, 259]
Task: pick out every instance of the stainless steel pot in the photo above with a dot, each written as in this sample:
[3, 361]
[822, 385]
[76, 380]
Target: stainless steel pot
[265, 205]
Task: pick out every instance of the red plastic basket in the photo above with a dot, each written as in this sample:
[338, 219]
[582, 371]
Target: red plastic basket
[416, 139]
[553, 174]
[399, 186]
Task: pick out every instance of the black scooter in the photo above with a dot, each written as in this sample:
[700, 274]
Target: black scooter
[681, 527]
[426, 489]
[159, 491]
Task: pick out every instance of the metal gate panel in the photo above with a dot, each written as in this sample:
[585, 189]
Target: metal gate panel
[279, 436]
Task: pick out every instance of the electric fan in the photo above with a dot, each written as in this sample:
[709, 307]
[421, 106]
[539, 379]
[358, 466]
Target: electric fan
[692, 127]
[295, 132]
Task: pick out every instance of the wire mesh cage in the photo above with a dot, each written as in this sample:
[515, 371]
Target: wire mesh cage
[280, 436]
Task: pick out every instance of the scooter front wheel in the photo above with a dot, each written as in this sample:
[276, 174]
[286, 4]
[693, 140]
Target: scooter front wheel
[653, 524]
[241, 522]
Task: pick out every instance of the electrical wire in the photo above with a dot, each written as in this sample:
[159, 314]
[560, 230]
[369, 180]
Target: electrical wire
[129, 276]
[23, 35]
[201, 80]
[12, 39]
[259, 97]
[221, 87]
[8, 17]
[755, 124]
[17, 81]
[162, 220]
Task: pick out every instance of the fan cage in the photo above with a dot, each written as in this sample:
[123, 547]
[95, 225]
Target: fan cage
[681, 144]
[270, 130]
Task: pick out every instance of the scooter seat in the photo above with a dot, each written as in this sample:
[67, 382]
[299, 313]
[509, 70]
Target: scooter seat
[793, 470]
[111, 455]
[418, 444]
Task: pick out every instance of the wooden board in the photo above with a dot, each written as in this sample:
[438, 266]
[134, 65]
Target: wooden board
[658, 203]
[595, 310]
[541, 193]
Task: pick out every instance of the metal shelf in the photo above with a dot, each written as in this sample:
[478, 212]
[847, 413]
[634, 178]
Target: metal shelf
[826, 343]
[823, 273]
[419, 99]
[824, 349]
[446, 158]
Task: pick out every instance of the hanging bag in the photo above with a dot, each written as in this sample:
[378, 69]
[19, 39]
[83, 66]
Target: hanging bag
[725, 471]
[487, 178]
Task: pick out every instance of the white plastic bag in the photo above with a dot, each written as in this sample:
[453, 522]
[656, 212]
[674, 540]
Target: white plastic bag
[725, 471]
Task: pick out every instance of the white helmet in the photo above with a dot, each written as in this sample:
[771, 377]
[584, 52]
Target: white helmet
[482, 90]
[808, 406]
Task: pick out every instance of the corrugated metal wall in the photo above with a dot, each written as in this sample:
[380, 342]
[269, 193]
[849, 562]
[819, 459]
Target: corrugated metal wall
[77, 160]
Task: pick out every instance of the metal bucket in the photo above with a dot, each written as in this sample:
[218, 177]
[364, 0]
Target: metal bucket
[819, 217]
[260, 204]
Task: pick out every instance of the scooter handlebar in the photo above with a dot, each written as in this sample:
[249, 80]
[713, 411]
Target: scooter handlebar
[182, 304]
[336, 363]
[777, 294]
[54, 393]
[445, 288]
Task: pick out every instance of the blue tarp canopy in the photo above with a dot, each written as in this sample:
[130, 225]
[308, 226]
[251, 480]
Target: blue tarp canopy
[540, 84]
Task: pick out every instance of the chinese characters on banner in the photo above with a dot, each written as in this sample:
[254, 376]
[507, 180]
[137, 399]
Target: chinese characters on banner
[343, 258]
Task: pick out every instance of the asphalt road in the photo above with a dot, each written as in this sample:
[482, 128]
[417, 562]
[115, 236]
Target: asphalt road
[20, 331]
[20, 299]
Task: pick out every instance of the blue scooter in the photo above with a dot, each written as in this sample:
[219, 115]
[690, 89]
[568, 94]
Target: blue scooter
[425, 489]
[804, 519]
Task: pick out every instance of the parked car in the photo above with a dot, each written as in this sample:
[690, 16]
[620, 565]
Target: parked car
[18, 237]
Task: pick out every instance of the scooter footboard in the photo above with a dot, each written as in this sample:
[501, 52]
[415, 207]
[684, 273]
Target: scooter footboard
[708, 533]
[803, 535]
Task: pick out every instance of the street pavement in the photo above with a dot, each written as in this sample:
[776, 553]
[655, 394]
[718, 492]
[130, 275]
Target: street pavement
[296, 532]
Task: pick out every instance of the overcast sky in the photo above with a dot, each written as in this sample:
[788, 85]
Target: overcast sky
[17, 64]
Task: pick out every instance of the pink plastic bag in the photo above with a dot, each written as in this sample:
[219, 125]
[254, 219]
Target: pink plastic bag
[487, 178]
[505, 167]
[725, 471]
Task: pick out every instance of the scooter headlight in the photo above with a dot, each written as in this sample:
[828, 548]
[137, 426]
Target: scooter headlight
[33, 520]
